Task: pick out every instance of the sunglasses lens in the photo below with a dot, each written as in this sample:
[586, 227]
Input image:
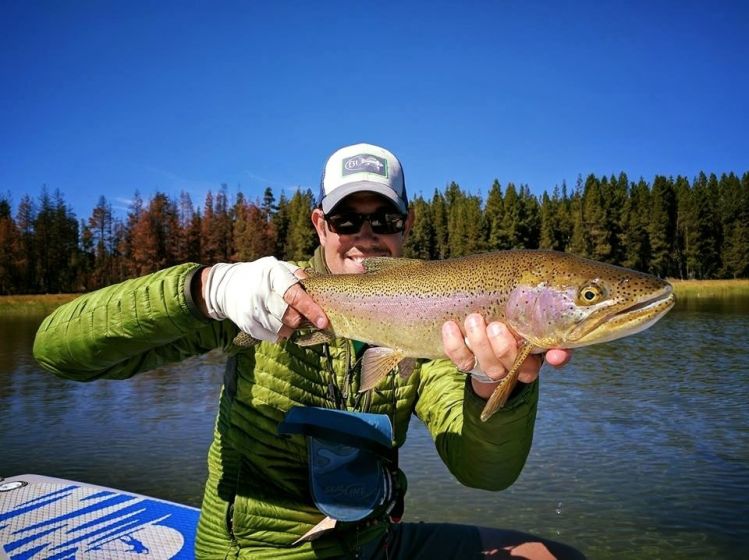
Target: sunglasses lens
[387, 223]
[382, 223]
[345, 224]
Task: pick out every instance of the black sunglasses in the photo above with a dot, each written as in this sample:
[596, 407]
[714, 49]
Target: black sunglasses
[382, 222]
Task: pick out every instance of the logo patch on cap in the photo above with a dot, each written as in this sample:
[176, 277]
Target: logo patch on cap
[365, 163]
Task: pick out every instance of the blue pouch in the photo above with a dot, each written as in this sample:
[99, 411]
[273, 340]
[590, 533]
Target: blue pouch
[351, 460]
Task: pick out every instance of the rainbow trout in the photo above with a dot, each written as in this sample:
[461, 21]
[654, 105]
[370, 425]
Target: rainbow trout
[547, 299]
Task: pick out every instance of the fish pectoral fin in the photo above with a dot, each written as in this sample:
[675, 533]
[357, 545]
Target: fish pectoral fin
[244, 340]
[314, 338]
[406, 367]
[375, 264]
[506, 385]
[375, 364]
[325, 526]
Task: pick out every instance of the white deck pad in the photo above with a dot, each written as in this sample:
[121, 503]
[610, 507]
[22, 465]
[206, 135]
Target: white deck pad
[55, 519]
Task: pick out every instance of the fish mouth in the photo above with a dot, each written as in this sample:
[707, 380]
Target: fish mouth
[357, 260]
[629, 320]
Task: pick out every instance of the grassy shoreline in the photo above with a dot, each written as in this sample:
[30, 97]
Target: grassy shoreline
[710, 288]
[33, 304]
[41, 303]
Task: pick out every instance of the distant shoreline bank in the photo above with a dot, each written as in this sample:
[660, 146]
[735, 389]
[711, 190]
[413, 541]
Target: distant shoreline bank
[38, 303]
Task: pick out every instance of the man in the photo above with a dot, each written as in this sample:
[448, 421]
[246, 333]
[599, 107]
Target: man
[257, 501]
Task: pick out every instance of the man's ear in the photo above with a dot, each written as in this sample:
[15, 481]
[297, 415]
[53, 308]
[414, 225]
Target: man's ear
[318, 220]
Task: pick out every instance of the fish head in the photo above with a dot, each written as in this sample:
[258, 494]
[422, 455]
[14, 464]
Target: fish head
[569, 302]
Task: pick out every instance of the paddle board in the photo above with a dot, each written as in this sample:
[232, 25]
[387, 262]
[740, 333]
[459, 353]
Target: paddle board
[56, 519]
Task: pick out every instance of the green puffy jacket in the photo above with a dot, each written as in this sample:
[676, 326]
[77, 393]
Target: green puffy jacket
[257, 500]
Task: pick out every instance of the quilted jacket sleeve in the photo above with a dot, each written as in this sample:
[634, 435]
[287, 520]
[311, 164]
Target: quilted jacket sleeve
[126, 328]
[488, 455]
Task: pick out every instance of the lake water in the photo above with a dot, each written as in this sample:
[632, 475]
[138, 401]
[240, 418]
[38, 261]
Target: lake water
[641, 447]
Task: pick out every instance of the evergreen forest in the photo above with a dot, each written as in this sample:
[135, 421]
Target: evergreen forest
[670, 227]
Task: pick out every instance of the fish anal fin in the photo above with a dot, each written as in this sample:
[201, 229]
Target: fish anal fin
[406, 367]
[506, 385]
[375, 364]
[314, 338]
[375, 264]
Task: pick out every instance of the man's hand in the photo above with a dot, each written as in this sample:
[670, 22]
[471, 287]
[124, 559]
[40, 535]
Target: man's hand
[492, 349]
[263, 298]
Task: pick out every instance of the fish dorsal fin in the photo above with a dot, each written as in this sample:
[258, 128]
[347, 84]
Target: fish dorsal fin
[375, 364]
[376, 264]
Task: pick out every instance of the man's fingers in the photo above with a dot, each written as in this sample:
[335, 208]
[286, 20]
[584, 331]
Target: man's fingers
[488, 346]
[292, 318]
[558, 357]
[455, 346]
[528, 372]
[503, 350]
[284, 333]
[297, 298]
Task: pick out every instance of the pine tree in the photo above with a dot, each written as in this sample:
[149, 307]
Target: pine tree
[686, 227]
[100, 228]
[731, 216]
[597, 222]
[662, 227]
[26, 263]
[420, 241]
[736, 236]
[440, 226]
[579, 242]
[281, 220]
[494, 216]
[188, 242]
[223, 227]
[301, 238]
[635, 219]
[153, 236]
[268, 207]
[549, 224]
[9, 246]
[529, 221]
[511, 223]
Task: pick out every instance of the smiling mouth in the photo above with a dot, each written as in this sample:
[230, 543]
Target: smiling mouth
[359, 259]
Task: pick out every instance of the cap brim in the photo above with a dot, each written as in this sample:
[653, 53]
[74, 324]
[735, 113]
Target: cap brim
[331, 200]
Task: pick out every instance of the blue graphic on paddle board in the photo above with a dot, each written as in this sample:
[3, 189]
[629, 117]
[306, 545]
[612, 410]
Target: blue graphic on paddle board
[72, 522]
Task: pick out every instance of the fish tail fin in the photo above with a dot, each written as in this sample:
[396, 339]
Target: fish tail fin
[375, 364]
[314, 338]
[245, 340]
[504, 389]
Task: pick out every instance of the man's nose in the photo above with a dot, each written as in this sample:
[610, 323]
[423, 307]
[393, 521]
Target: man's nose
[366, 230]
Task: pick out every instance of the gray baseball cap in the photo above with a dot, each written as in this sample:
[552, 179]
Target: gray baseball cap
[362, 167]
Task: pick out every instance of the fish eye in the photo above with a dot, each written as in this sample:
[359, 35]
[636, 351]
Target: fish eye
[591, 293]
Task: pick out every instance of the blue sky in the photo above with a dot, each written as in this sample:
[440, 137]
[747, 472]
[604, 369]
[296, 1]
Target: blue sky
[103, 98]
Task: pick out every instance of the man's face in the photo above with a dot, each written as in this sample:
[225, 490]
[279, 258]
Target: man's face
[344, 253]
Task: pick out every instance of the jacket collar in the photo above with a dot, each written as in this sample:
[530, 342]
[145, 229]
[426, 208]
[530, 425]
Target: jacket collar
[317, 262]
